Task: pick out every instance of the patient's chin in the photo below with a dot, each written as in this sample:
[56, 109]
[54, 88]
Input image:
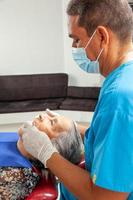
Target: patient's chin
[22, 150]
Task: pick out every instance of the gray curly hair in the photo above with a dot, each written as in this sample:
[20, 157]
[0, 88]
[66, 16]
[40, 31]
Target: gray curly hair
[69, 144]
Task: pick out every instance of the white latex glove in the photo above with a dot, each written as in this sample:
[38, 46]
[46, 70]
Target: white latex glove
[37, 143]
[51, 113]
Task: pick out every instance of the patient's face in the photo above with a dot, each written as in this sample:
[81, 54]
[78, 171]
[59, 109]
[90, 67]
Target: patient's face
[52, 126]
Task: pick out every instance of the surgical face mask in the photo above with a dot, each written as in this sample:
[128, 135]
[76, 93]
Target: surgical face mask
[80, 57]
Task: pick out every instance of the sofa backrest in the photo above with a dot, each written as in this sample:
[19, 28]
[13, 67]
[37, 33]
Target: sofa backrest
[36, 86]
[83, 92]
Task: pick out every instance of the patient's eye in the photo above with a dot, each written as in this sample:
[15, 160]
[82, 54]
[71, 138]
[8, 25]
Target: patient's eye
[53, 121]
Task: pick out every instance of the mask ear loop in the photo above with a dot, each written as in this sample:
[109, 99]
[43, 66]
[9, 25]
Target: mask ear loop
[90, 39]
[100, 54]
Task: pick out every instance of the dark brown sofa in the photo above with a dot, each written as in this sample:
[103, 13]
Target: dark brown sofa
[80, 98]
[26, 93]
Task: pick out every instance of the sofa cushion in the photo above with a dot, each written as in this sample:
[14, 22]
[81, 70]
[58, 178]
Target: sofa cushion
[26, 87]
[83, 92]
[78, 104]
[30, 105]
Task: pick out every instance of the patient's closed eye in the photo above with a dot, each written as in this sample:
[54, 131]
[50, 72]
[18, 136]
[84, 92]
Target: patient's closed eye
[53, 121]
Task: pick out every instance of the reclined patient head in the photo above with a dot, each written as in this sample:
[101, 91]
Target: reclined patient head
[66, 138]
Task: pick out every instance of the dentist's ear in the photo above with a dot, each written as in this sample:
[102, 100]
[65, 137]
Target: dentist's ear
[103, 34]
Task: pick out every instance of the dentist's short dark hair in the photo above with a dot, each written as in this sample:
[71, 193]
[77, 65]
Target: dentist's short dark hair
[117, 15]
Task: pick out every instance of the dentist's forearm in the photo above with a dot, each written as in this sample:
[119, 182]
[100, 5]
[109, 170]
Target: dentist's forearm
[73, 177]
[78, 181]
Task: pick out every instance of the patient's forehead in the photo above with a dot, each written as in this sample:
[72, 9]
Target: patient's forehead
[62, 123]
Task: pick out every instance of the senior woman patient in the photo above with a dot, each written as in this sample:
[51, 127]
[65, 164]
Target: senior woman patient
[65, 137]
[17, 175]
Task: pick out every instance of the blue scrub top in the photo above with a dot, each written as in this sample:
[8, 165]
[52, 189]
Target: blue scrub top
[109, 140]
